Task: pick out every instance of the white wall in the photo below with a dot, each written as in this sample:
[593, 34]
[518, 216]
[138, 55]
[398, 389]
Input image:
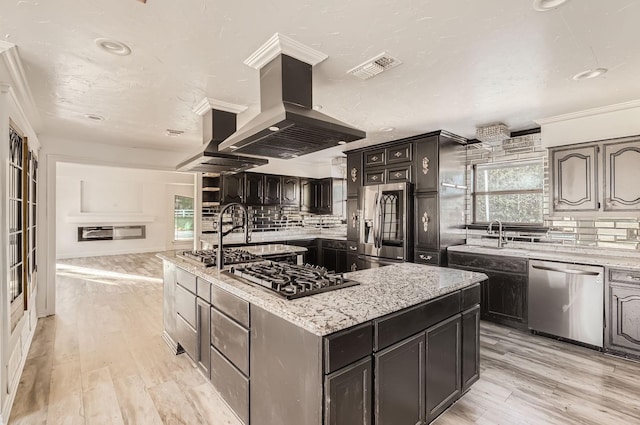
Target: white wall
[93, 195]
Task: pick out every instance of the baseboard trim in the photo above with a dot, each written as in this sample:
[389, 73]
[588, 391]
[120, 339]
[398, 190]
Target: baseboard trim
[174, 346]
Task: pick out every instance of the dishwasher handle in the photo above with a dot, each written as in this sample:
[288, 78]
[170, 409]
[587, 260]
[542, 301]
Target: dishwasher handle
[566, 271]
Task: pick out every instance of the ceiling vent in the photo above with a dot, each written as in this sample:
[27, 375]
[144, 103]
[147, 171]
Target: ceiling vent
[493, 134]
[374, 66]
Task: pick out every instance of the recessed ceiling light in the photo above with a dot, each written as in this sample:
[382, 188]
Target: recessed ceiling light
[342, 142]
[174, 133]
[387, 129]
[233, 147]
[589, 73]
[547, 5]
[94, 117]
[274, 128]
[113, 46]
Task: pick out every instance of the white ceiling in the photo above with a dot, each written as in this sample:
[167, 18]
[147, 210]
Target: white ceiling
[465, 62]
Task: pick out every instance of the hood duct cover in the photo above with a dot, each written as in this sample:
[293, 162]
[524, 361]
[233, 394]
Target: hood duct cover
[288, 127]
[216, 126]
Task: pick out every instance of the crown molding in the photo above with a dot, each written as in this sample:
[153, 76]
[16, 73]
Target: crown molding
[278, 44]
[590, 112]
[11, 56]
[208, 103]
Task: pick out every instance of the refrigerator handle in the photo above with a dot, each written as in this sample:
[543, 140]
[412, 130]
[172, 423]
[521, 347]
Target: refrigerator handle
[379, 212]
[376, 224]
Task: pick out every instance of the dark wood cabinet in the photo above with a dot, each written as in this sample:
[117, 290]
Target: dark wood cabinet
[374, 158]
[333, 255]
[400, 383]
[399, 153]
[504, 297]
[290, 187]
[272, 189]
[443, 382]
[348, 395]
[354, 173]
[426, 221]
[233, 189]
[325, 196]
[352, 262]
[427, 164]
[253, 188]
[308, 195]
[470, 343]
[374, 176]
[575, 179]
[353, 222]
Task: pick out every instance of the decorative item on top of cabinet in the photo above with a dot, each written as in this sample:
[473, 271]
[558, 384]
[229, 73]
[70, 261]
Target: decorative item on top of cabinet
[621, 190]
[574, 181]
[622, 309]
[354, 173]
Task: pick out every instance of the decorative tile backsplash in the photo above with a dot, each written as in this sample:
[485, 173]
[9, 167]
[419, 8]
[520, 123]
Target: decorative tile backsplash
[588, 232]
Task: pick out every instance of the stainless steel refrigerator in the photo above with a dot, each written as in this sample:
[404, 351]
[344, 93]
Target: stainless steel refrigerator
[386, 234]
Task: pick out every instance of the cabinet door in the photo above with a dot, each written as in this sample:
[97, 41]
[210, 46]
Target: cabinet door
[443, 367]
[621, 190]
[204, 336]
[329, 259]
[374, 158]
[272, 190]
[348, 395]
[506, 296]
[624, 318]
[290, 190]
[426, 221]
[427, 164]
[354, 173]
[342, 263]
[325, 193]
[308, 196]
[233, 188]
[254, 188]
[575, 177]
[470, 347]
[353, 223]
[400, 383]
[400, 153]
[352, 262]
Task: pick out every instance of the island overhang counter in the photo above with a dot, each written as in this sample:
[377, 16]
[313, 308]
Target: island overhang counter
[400, 347]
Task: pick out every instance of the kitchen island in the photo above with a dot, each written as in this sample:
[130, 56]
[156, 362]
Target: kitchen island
[313, 360]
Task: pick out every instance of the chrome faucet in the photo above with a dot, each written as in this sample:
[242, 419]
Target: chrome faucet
[501, 240]
[221, 234]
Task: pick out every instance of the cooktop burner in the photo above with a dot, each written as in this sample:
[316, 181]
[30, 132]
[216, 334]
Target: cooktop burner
[292, 281]
[230, 255]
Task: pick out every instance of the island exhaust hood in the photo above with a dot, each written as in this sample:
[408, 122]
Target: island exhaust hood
[216, 126]
[288, 127]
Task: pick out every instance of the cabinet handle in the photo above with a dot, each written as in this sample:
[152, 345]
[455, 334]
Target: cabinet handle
[374, 178]
[636, 278]
[398, 154]
[354, 174]
[354, 267]
[374, 158]
[425, 257]
[425, 165]
[425, 222]
[398, 174]
[353, 248]
[354, 220]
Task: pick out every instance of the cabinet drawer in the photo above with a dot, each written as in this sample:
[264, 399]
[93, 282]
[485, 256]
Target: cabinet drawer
[371, 159]
[186, 305]
[230, 339]
[345, 347]
[397, 326]
[470, 296]
[186, 336]
[496, 262]
[230, 305]
[427, 257]
[399, 174]
[186, 280]
[624, 276]
[204, 289]
[232, 385]
[400, 153]
[374, 177]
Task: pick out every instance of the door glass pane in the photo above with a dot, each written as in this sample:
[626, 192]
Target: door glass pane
[390, 203]
[183, 218]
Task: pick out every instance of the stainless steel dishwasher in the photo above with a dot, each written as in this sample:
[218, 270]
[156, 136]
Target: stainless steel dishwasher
[567, 300]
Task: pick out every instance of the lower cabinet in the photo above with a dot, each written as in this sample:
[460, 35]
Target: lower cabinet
[232, 385]
[348, 394]
[623, 312]
[443, 365]
[470, 347]
[400, 383]
[203, 309]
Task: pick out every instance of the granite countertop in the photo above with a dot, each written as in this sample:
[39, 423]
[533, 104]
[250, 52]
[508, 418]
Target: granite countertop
[238, 238]
[565, 256]
[274, 249]
[381, 291]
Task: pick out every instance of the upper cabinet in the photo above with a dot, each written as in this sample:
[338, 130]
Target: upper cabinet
[575, 179]
[272, 189]
[290, 187]
[354, 173]
[427, 165]
[254, 188]
[596, 177]
[233, 188]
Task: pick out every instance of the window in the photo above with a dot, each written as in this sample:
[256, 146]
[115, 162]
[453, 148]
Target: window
[183, 218]
[510, 192]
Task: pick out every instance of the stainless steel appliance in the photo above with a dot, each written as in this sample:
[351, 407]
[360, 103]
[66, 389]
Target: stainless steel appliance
[385, 224]
[292, 281]
[567, 300]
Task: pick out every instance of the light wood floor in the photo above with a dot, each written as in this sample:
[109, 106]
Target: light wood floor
[101, 360]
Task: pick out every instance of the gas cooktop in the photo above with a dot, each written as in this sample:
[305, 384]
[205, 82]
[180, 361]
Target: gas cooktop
[230, 256]
[292, 281]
